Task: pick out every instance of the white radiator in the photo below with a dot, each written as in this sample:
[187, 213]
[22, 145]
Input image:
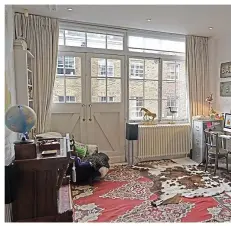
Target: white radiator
[163, 141]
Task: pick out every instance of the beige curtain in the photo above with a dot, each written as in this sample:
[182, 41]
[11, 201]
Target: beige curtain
[197, 66]
[41, 35]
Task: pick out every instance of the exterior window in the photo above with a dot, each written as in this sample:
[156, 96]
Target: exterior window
[61, 99]
[69, 99]
[137, 69]
[104, 99]
[174, 71]
[111, 99]
[136, 103]
[171, 102]
[69, 66]
[102, 68]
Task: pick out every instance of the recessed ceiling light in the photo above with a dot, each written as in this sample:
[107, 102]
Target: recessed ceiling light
[210, 28]
[69, 9]
[149, 20]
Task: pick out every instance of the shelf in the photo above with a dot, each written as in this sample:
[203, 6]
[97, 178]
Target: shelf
[29, 70]
[30, 54]
[29, 85]
[30, 100]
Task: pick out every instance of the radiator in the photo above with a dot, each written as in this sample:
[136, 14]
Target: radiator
[163, 141]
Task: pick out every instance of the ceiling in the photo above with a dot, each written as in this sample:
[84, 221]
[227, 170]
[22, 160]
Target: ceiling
[181, 19]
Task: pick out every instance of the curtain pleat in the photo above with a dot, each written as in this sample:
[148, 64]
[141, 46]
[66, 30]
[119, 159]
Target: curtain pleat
[197, 66]
[41, 35]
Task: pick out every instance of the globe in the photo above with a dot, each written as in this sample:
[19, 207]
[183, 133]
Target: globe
[20, 119]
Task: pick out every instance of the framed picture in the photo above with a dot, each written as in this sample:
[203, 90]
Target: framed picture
[225, 70]
[225, 89]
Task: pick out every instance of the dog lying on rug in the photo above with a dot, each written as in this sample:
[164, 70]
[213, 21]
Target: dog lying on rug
[175, 181]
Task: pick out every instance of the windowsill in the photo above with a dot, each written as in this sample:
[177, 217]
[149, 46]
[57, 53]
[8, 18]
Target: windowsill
[167, 122]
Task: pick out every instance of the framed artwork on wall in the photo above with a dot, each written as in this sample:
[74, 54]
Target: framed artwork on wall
[225, 70]
[225, 89]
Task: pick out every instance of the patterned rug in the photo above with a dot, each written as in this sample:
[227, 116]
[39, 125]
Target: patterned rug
[125, 195]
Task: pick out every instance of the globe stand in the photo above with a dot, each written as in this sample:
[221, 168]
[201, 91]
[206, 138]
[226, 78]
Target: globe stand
[24, 140]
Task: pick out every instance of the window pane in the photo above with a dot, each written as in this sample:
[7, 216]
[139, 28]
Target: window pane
[72, 66]
[151, 105]
[150, 90]
[98, 67]
[96, 40]
[61, 37]
[151, 69]
[171, 70]
[75, 38]
[168, 89]
[60, 65]
[114, 42]
[98, 89]
[136, 68]
[114, 89]
[113, 68]
[159, 46]
[58, 89]
[135, 106]
[181, 93]
[135, 88]
[73, 89]
[136, 42]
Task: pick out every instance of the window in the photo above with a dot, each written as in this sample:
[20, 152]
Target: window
[155, 45]
[136, 103]
[69, 65]
[111, 99]
[102, 68]
[137, 69]
[69, 99]
[174, 71]
[90, 40]
[61, 99]
[143, 92]
[171, 103]
[67, 86]
[104, 99]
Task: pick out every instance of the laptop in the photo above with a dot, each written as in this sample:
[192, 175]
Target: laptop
[227, 123]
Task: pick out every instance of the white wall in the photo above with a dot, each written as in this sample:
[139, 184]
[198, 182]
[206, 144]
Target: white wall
[219, 52]
[10, 137]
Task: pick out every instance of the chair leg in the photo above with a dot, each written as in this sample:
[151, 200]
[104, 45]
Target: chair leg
[227, 163]
[206, 159]
[216, 164]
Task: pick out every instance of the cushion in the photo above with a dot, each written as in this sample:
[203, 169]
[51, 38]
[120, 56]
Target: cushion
[80, 149]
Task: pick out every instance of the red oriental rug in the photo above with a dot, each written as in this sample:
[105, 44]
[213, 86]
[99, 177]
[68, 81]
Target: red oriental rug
[125, 196]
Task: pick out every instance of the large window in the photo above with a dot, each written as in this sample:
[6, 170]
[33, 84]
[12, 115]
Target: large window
[158, 90]
[153, 70]
[143, 86]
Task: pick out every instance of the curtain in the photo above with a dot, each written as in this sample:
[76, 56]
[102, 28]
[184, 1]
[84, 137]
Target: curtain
[197, 66]
[41, 35]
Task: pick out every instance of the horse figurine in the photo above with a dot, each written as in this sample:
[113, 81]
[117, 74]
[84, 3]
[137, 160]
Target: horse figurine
[148, 113]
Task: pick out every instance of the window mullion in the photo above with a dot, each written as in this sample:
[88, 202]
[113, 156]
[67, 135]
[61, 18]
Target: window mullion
[144, 81]
[160, 76]
[106, 78]
[64, 68]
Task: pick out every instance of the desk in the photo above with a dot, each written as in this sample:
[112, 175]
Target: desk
[39, 189]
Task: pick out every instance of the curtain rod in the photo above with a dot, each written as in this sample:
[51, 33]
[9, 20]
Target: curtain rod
[110, 26]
